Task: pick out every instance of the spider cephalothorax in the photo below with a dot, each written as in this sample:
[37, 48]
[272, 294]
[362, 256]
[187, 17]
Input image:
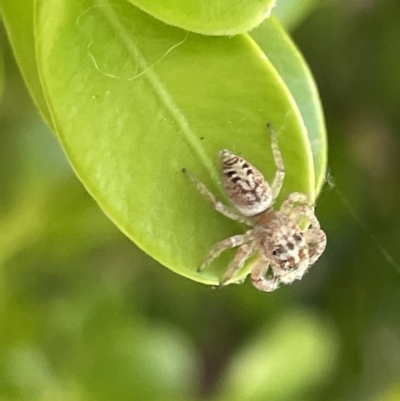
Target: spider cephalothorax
[288, 240]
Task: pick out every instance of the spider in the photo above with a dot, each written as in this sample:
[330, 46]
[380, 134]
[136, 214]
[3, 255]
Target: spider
[287, 250]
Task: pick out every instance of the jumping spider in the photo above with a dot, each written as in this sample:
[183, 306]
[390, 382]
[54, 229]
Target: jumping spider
[287, 250]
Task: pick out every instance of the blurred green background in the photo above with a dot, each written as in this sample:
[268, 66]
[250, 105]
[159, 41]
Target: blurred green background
[84, 315]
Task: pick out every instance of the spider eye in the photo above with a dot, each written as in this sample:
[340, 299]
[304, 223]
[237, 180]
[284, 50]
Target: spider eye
[298, 237]
[278, 251]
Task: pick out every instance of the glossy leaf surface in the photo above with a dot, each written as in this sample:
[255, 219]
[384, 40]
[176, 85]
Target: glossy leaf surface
[209, 17]
[291, 66]
[134, 101]
[292, 12]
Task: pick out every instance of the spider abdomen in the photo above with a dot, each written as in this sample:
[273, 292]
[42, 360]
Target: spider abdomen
[245, 185]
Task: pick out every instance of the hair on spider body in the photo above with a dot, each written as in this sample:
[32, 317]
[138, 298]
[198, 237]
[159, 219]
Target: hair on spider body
[286, 247]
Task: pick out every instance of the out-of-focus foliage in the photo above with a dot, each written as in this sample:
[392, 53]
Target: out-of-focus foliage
[84, 315]
[302, 341]
[1, 72]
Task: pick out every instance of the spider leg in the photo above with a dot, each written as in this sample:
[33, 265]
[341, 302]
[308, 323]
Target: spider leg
[297, 213]
[259, 279]
[243, 253]
[277, 183]
[218, 205]
[290, 202]
[288, 277]
[317, 237]
[222, 246]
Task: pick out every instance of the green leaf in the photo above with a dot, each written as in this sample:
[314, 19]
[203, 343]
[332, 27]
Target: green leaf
[290, 64]
[284, 362]
[292, 12]
[209, 17]
[135, 100]
[18, 19]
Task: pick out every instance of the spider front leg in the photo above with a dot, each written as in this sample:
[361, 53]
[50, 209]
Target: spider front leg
[317, 237]
[259, 279]
[304, 208]
[294, 198]
[218, 205]
[287, 277]
[277, 183]
[231, 242]
[243, 254]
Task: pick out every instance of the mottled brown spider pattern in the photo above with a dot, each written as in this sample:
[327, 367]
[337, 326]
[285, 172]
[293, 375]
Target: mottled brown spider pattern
[288, 240]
